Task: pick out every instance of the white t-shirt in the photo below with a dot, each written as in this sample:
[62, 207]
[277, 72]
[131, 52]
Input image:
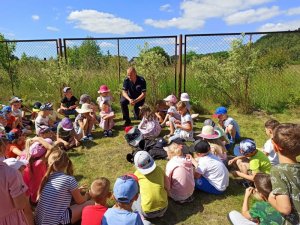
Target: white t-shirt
[17, 113]
[269, 148]
[214, 171]
[173, 112]
[185, 134]
[39, 121]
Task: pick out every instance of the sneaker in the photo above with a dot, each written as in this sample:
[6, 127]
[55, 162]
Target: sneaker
[110, 133]
[105, 133]
[90, 137]
[85, 138]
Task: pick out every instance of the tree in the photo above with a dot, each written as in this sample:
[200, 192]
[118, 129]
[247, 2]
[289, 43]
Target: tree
[230, 78]
[160, 51]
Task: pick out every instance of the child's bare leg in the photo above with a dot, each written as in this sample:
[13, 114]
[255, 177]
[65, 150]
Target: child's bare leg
[172, 127]
[243, 165]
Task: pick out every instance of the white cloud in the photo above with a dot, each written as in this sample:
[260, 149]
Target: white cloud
[252, 15]
[293, 11]
[53, 29]
[105, 44]
[35, 17]
[165, 8]
[284, 26]
[194, 13]
[100, 22]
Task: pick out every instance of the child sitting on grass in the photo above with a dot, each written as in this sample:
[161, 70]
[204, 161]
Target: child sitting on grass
[184, 127]
[56, 191]
[230, 126]
[153, 199]
[43, 117]
[67, 135]
[249, 158]
[180, 183]
[68, 104]
[261, 212]
[126, 191]
[211, 174]
[16, 144]
[99, 192]
[172, 114]
[84, 122]
[107, 119]
[149, 126]
[268, 148]
[285, 195]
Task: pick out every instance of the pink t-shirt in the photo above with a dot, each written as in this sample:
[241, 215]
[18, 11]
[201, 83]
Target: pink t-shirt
[180, 178]
[33, 176]
[11, 186]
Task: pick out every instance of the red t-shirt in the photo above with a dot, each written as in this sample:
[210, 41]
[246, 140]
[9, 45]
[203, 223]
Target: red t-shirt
[92, 214]
[9, 150]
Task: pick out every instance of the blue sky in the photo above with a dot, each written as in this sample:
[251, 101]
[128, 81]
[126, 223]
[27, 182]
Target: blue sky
[35, 19]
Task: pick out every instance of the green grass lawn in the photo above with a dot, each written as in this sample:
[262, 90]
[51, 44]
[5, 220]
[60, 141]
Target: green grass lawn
[107, 157]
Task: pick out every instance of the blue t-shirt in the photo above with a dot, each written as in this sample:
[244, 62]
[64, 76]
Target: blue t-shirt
[114, 216]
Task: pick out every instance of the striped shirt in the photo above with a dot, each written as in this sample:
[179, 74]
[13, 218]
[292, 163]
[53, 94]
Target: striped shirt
[52, 208]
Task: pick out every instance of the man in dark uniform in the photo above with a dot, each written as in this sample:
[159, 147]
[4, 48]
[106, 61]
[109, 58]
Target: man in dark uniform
[133, 93]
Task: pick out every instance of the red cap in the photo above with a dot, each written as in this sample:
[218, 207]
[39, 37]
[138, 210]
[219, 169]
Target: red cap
[127, 129]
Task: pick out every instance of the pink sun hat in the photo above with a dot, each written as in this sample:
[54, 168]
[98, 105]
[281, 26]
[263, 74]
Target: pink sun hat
[171, 98]
[37, 150]
[103, 89]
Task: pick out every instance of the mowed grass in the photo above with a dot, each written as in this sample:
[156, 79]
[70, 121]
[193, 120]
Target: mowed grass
[107, 157]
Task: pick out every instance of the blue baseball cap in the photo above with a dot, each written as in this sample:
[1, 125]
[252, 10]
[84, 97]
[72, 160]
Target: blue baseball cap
[219, 111]
[125, 189]
[245, 147]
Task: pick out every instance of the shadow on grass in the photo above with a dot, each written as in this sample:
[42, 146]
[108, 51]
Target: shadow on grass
[78, 177]
[177, 213]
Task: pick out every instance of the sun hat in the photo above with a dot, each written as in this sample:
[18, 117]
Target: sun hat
[15, 163]
[184, 97]
[103, 89]
[85, 108]
[144, 162]
[46, 107]
[245, 147]
[6, 109]
[36, 107]
[219, 111]
[171, 98]
[37, 150]
[84, 98]
[14, 99]
[66, 89]
[66, 124]
[125, 189]
[134, 136]
[208, 132]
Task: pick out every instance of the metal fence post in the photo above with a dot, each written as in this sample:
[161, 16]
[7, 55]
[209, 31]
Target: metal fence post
[180, 64]
[9, 70]
[119, 61]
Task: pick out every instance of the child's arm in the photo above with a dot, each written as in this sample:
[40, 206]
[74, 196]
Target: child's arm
[243, 175]
[78, 198]
[186, 126]
[230, 162]
[190, 157]
[281, 203]
[17, 151]
[245, 208]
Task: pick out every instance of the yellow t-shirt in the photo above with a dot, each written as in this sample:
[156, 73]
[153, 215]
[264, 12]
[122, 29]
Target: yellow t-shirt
[152, 190]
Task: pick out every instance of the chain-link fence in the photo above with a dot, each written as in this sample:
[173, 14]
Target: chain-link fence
[251, 70]
[23, 66]
[105, 61]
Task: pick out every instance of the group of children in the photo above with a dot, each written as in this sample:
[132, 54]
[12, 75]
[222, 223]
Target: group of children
[37, 172]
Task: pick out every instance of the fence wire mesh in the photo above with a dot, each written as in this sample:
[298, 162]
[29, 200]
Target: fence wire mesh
[252, 70]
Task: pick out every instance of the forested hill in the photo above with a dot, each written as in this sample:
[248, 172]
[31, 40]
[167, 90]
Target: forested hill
[289, 43]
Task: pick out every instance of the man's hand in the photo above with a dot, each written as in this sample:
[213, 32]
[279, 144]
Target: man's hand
[132, 102]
